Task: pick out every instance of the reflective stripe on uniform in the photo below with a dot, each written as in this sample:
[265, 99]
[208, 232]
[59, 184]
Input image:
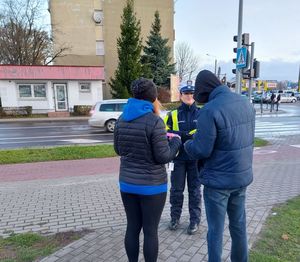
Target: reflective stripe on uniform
[192, 132]
[165, 121]
[175, 126]
[175, 120]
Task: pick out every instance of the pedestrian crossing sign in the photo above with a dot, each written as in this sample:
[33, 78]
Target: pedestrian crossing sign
[241, 58]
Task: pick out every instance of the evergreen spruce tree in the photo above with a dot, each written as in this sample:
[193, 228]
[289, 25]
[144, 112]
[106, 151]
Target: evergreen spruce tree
[156, 59]
[129, 53]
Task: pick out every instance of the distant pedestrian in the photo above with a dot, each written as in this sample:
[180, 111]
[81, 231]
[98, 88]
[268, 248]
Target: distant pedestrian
[272, 99]
[141, 141]
[183, 121]
[278, 99]
[224, 142]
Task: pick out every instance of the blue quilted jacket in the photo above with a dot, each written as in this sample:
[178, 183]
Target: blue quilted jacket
[224, 140]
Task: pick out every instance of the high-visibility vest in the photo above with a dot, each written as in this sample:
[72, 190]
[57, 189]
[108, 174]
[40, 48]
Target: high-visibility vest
[174, 115]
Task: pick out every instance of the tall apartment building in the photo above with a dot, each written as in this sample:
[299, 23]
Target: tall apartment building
[90, 29]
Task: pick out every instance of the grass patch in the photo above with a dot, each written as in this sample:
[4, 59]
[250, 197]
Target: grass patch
[31, 246]
[280, 237]
[260, 142]
[28, 155]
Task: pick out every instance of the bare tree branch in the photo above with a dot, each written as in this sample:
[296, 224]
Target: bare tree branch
[186, 61]
[23, 41]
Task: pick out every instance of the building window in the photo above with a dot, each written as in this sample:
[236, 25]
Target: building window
[85, 87]
[32, 91]
[39, 90]
[25, 91]
[99, 48]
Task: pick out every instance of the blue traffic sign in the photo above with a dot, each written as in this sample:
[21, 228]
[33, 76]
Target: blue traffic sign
[241, 58]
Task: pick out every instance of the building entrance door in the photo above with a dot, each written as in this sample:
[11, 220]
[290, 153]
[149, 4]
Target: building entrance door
[60, 93]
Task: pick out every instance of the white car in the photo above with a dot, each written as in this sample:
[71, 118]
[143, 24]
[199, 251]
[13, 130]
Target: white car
[287, 98]
[105, 113]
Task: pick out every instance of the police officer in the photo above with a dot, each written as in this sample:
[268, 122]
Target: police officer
[183, 121]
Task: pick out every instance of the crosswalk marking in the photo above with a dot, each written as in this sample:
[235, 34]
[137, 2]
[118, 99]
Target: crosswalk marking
[267, 129]
[298, 146]
[85, 141]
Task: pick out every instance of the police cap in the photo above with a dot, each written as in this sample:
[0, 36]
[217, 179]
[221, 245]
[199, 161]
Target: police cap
[187, 89]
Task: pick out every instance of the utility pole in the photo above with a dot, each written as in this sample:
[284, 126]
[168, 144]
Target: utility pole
[216, 62]
[239, 44]
[299, 80]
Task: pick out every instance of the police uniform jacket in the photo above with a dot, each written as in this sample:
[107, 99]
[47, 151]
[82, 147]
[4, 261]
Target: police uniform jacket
[187, 121]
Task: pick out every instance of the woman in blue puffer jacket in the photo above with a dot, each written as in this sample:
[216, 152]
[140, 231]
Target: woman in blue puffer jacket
[141, 142]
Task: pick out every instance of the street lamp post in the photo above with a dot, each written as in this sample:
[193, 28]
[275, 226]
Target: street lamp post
[216, 62]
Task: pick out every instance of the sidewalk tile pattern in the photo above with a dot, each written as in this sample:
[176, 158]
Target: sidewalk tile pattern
[93, 202]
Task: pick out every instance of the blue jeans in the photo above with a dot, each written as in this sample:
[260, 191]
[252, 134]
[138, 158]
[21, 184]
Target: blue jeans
[217, 203]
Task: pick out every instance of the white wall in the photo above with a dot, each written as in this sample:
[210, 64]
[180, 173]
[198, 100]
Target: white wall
[81, 98]
[8, 93]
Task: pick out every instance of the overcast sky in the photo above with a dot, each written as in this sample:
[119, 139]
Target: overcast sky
[274, 26]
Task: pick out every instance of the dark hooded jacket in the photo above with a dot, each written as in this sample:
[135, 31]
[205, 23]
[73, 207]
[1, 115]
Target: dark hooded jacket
[225, 135]
[140, 139]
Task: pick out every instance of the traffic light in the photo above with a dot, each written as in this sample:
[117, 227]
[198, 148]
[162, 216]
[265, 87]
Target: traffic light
[245, 39]
[246, 73]
[245, 44]
[234, 59]
[256, 68]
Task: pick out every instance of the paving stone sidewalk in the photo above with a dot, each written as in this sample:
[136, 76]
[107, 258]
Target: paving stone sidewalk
[72, 203]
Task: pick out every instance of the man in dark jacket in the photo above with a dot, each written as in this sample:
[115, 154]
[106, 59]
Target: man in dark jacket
[224, 142]
[182, 121]
[273, 100]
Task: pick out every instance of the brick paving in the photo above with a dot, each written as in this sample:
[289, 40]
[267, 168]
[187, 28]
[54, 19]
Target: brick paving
[49, 202]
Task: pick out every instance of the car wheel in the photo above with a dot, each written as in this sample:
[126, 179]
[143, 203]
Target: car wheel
[110, 125]
[293, 101]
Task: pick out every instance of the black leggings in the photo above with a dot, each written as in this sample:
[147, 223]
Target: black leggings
[142, 212]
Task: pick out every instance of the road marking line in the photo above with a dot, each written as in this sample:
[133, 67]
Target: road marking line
[44, 141]
[37, 137]
[81, 141]
[263, 152]
[36, 127]
[298, 146]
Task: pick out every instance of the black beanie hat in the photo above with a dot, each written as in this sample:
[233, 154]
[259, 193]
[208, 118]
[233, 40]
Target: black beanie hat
[206, 82]
[144, 89]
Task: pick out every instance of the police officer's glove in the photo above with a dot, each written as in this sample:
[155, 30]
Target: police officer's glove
[186, 136]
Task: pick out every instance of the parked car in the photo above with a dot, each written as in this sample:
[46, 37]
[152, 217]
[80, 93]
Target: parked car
[259, 97]
[297, 95]
[287, 98]
[105, 113]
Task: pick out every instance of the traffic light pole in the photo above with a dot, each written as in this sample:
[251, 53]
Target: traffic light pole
[239, 44]
[299, 80]
[251, 72]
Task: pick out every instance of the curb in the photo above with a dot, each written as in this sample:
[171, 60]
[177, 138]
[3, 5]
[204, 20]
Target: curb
[43, 119]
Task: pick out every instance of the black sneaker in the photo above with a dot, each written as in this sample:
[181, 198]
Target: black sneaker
[192, 228]
[174, 224]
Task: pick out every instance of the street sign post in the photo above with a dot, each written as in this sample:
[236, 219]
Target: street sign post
[241, 58]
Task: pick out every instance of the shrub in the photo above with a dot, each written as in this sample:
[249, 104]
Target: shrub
[171, 106]
[82, 110]
[28, 110]
[2, 112]
[164, 95]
